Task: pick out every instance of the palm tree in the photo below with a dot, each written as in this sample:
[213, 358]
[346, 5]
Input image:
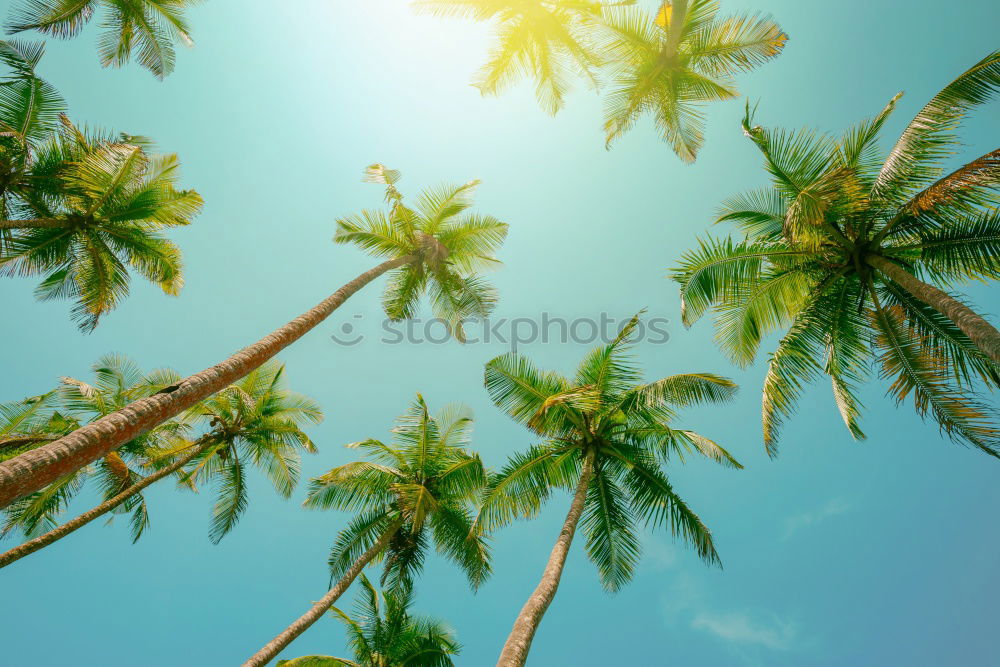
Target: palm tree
[29, 113]
[672, 64]
[606, 436]
[548, 40]
[42, 419]
[436, 248]
[850, 252]
[383, 633]
[146, 27]
[415, 490]
[256, 420]
[100, 211]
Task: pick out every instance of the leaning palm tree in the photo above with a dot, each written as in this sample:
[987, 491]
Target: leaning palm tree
[383, 633]
[606, 435]
[437, 248]
[256, 420]
[99, 212]
[672, 64]
[415, 490]
[850, 252]
[548, 40]
[145, 28]
[33, 422]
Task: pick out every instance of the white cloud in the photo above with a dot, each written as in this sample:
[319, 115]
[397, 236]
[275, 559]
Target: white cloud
[771, 632]
[806, 519]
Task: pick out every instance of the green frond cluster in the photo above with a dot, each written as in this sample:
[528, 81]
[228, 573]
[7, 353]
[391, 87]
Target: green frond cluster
[82, 209]
[671, 71]
[35, 421]
[382, 632]
[445, 248]
[253, 423]
[419, 488]
[143, 29]
[808, 264]
[607, 414]
[667, 65]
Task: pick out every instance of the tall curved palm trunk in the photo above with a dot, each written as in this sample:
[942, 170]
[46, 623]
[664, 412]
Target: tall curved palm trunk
[983, 334]
[305, 621]
[42, 541]
[515, 650]
[39, 467]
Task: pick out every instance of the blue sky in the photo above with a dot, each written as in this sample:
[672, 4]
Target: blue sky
[872, 553]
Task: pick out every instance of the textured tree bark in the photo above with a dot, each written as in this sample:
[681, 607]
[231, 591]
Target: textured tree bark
[515, 650]
[303, 622]
[983, 334]
[37, 223]
[35, 469]
[31, 546]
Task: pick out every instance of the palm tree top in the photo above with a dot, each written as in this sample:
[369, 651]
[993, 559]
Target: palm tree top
[257, 422]
[382, 632]
[840, 212]
[146, 29]
[607, 415]
[672, 63]
[444, 246]
[97, 207]
[423, 481]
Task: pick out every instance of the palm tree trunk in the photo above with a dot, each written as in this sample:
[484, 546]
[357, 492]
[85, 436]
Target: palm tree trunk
[37, 223]
[983, 334]
[515, 651]
[35, 469]
[678, 14]
[303, 622]
[31, 546]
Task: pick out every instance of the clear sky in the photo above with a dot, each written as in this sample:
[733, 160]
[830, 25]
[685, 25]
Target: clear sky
[837, 553]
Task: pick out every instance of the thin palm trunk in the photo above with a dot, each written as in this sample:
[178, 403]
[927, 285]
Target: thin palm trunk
[31, 546]
[678, 13]
[37, 223]
[983, 334]
[303, 622]
[515, 650]
[33, 470]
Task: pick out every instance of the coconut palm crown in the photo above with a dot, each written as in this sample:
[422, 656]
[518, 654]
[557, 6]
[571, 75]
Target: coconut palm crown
[547, 40]
[145, 29]
[382, 632]
[445, 247]
[671, 64]
[850, 254]
[254, 422]
[420, 487]
[607, 419]
[99, 210]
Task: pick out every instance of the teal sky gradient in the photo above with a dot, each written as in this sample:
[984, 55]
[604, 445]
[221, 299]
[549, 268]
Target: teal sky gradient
[882, 552]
